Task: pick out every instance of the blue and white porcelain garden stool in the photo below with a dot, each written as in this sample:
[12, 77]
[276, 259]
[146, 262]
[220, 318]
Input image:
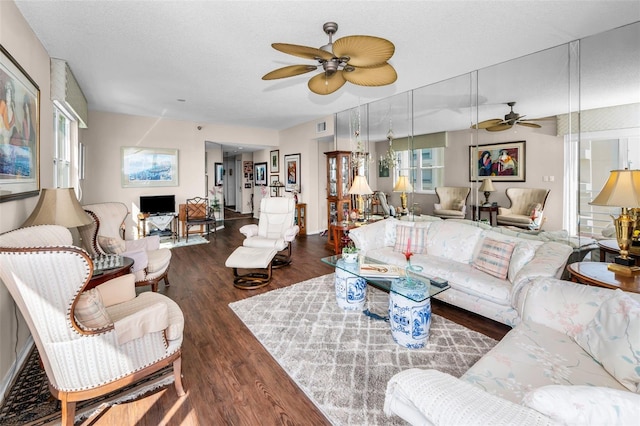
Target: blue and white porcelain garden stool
[351, 290]
[410, 320]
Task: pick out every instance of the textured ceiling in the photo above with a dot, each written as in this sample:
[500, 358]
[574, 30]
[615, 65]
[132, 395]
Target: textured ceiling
[141, 57]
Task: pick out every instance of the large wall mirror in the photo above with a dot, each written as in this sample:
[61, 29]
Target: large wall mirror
[433, 135]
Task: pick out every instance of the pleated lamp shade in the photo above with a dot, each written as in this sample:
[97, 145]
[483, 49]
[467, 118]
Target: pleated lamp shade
[621, 190]
[58, 206]
[360, 186]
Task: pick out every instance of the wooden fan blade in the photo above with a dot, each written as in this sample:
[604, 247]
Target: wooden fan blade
[364, 51]
[499, 127]
[487, 123]
[289, 71]
[302, 51]
[323, 85]
[376, 76]
[527, 124]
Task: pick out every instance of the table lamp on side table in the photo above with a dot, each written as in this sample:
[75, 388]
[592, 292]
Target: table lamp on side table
[403, 185]
[622, 190]
[487, 187]
[360, 187]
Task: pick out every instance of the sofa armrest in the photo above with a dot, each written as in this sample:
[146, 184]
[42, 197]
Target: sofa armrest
[431, 397]
[370, 236]
[290, 233]
[118, 290]
[562, 305]
[249, 230]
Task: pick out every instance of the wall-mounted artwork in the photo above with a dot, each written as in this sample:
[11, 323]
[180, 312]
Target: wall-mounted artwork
[502, 162]
[292, 173]
[261, 174]
[275, 161]
[219, 170]
[19, 131]
[149, 167]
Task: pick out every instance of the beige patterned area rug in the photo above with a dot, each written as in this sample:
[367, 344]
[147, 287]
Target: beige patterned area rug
[343, 360]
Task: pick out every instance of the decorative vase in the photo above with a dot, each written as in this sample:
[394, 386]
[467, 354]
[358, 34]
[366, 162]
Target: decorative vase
[351, 290]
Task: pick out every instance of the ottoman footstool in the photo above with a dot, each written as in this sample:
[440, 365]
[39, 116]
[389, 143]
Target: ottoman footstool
[251, 258]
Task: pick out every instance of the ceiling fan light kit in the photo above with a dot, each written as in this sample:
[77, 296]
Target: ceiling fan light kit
[510, 120]
[360, 60]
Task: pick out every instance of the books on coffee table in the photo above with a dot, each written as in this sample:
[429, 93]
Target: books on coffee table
[378, 270]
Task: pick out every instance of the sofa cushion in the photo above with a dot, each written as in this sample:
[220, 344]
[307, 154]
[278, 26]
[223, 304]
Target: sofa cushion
[493, 257]
[523, 253]
[452, 240]
[111, 245]
[585, 405]
[613, 338]
[411, 238]
[531, 356]
[90, 311]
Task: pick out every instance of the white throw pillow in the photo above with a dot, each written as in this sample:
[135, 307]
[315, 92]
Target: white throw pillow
[111, 245]
[90, 311]
[585, 405]
[613, 339]
[522, 254]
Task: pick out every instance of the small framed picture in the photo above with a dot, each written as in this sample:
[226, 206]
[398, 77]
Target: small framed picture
[247, 185]
[260, 174]
[292, 171]
[275, 161]
[219, 174]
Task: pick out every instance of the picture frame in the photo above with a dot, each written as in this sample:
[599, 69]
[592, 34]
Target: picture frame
[219, 174]
[273, 179]
[247, 185]
[292, 173]
[20, 143]
[149, 167]
[502, 162]
[275, 161]
[260, 173]
[383, 169]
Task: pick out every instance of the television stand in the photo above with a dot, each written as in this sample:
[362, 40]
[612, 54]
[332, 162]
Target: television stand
[165, 224]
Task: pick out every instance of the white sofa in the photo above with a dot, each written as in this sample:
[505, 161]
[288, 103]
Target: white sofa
[573, 359]
[451, 250]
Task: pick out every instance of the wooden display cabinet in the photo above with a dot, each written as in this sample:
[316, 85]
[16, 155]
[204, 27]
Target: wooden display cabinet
[338, 184]
[301, 218]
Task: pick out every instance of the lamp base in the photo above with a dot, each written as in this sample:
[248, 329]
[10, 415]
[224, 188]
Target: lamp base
[627, 271]
[625, 262]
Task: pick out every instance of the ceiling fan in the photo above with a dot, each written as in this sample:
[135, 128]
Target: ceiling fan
[358, 59]
[511, 119]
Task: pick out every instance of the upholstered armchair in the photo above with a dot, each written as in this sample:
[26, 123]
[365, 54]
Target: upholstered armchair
[384, 205]
[526, 209]
[275, 228]
[452, 202]
[105, 236]
[90, 343]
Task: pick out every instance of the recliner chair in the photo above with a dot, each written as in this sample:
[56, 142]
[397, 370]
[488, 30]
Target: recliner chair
[275, 228]
[452, 202]
[526, 209]
[104, 236]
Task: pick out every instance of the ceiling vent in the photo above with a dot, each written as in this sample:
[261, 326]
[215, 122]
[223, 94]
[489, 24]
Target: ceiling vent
[66, 92]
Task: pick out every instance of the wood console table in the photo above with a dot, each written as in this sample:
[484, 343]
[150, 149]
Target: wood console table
[493, 213]
[597, 274]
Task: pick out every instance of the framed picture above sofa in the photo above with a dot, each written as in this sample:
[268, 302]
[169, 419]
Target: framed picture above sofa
[502, 162]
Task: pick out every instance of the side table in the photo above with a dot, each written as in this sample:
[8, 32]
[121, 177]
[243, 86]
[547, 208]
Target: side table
[493, 213]
[597, 274]
[109, 274]
[612, 247]
[340, 238]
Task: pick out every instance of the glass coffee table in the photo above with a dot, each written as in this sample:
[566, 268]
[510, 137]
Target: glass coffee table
[409, 300]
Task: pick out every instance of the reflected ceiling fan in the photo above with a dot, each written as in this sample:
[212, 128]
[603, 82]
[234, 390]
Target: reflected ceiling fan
[511, 119]
[358, 59]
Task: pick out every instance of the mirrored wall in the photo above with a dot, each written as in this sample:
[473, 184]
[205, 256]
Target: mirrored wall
[578, 117]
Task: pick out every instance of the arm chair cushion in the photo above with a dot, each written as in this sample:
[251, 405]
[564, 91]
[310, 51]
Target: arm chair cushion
[90, 311]
[117, 290]
[111, 245]
[149, 319]
[249, 230]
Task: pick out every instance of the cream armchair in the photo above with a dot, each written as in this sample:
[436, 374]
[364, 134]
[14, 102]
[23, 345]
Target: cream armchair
[90, 343]
[275, 228]
[526, 209]
[452, 202]
[105, 236]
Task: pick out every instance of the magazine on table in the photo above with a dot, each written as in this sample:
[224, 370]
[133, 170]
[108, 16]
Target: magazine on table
[379, 270]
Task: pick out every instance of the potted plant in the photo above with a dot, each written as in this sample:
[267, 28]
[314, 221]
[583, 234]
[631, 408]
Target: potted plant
[350, 253]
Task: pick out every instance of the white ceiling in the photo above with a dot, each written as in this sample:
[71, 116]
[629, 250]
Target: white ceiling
[140, 57]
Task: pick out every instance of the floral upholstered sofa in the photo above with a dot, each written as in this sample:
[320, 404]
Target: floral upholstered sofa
[573, 359]
[485, 268]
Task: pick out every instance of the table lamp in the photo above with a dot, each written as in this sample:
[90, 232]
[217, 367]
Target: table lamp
[403, 185]
[360, 187]
[58, 206]
[622, 190]
[487, 188]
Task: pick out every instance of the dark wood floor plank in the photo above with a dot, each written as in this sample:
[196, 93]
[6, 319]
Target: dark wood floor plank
[229, 377]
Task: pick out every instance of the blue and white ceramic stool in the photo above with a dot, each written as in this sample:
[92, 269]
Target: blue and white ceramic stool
[410, 320]
[351, 290]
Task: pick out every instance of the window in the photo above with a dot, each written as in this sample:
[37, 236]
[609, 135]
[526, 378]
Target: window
[62, 154]
[424, 166]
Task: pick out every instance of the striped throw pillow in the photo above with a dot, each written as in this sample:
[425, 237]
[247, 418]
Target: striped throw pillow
[418, 236]
[90, 311]
[494, 257]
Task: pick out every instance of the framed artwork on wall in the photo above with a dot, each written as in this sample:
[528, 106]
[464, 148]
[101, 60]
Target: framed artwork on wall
[260, 174]
[275, 161]
[19, 131]
[292, 173]
[149, 167]
[219, 170]
[502, 162]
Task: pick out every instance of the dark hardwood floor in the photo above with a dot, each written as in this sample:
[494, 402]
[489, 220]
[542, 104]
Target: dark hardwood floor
[229, 377]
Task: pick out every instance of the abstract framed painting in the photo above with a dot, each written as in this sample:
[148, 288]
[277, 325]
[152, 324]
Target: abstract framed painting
[275, 161]
[502, 162]
[292, 173]
[19, 131]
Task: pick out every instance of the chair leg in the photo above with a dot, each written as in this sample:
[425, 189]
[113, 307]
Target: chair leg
[68, 410]
[282, 259]
[177, 376]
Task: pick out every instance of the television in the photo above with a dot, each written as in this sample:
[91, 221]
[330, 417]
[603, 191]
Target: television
[158, 204]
